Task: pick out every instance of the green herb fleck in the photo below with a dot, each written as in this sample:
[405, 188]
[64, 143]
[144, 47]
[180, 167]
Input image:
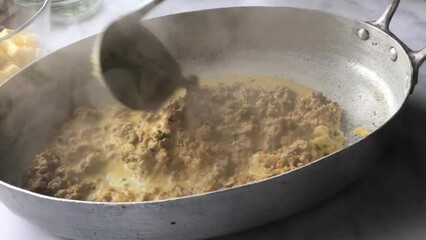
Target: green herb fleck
[276, 146]
[228, 137]
[293, 126]
[246, 112]
[318, 147]
[127, 129]
[161, 135]
[127, 158]
[234, 137]
[336, 133]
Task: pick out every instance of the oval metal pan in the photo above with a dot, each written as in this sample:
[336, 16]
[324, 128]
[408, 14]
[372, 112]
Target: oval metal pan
[286, 42]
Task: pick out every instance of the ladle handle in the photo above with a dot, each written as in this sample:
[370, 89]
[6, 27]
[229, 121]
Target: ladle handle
[417, 57]
[145, 7]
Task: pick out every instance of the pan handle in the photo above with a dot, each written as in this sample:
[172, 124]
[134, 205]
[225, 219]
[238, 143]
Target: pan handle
[417, 57]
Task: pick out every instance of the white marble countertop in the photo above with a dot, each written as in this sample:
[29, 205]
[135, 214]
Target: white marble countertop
[388, 203]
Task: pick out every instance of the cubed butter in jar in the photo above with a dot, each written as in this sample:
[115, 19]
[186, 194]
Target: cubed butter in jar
[17, 52]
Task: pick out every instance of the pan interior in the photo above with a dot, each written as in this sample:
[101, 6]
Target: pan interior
[292, 44]
[312, 48]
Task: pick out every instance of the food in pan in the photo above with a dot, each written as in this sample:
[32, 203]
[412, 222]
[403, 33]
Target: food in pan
[16, 52]
[361, 131]
[209, 138]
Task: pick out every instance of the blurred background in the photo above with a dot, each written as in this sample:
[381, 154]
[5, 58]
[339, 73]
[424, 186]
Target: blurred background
[102, 12]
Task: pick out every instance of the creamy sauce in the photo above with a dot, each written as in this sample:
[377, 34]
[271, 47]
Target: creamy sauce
[232, 136]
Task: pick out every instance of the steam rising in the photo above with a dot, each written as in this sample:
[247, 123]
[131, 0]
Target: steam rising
[40, 98]
[36, 100]
[215, 43]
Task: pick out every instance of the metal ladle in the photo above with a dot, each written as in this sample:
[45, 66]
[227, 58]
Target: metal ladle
[137, 68]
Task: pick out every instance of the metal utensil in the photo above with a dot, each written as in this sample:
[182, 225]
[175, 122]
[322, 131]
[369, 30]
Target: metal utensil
[137, 68]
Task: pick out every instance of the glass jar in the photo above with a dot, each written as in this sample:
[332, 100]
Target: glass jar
[69, 11]
[24, 31]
